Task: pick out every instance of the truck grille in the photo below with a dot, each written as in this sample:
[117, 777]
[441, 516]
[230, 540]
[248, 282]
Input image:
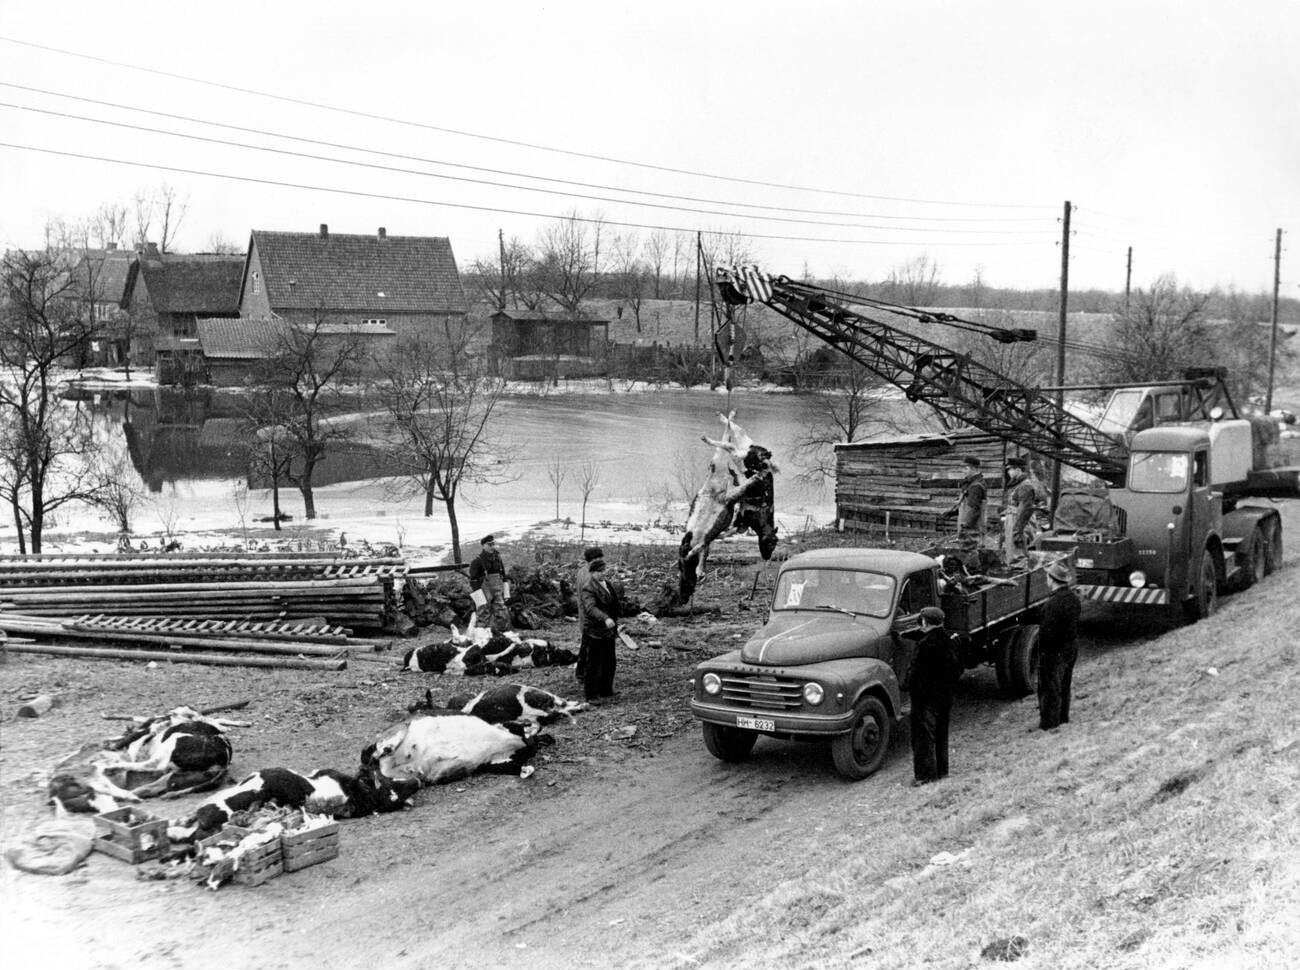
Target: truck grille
[763, 692]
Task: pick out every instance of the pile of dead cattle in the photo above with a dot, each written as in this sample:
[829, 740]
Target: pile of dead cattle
[248, 609]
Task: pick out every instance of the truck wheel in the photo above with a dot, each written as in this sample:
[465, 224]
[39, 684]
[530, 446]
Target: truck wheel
[1022, 661]
[1205, 600]
[861, 751]
[1253, 561]
[1002, 661]
[1272, 546]
[728, 743]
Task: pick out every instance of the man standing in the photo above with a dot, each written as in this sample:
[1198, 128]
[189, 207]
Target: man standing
[970, 505]
[1023, 492]
[598, 602]
[929, 681]
[591, 554]
[488, 586]
[1057, 648]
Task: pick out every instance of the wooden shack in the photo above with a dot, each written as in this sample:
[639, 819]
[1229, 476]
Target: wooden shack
[900, 486]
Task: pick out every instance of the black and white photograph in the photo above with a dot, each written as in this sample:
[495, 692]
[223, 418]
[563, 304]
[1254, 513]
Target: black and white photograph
[667, 487]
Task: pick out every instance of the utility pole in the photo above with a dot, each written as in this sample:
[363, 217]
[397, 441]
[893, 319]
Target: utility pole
[1128, 277]
[1060, 340]
[1272, 340]
[699, 261]
[501, 247]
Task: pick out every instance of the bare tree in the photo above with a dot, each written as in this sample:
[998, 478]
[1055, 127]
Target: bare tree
[915, 282]
[116, 489]
[44, 463]
[657, 247]
[567, 267]
[108, 225]
[438, 424]
[301, 381]
[846, 414]
[162, 206]
[588, 480]
[1163, 330]
[557, 471]
[219, 242]
[630, 272]
[726, 249]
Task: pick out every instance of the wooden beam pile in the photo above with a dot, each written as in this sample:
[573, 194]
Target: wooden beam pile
[205, 586]
[308, 646]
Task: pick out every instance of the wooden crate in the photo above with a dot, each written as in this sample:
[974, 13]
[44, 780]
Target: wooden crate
[256, 866]
[306, 847]
[132, 835]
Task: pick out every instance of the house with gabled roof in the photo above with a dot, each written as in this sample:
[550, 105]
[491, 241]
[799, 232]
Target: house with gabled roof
[405, 284]
[168, 296]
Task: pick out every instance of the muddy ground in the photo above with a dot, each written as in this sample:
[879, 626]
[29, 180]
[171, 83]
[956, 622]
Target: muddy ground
[613, 853]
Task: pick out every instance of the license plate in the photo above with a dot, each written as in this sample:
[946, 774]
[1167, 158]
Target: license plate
[1083, 563]
[755, 723]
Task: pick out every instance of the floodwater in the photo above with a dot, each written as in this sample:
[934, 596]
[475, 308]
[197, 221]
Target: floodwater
[641, 449]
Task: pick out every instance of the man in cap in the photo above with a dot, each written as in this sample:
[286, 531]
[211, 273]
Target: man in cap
[1057, 647]
[929, 680]
[970, 505]
[591, 554]
[488, 586]
[598, 601]
[1022, 494]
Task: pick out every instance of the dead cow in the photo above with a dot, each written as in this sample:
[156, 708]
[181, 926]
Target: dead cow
[442, 747]
[531, 707]
[326, 791]
[737, 495]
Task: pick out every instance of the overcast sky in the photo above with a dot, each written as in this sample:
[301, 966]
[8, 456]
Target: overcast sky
[864, 134]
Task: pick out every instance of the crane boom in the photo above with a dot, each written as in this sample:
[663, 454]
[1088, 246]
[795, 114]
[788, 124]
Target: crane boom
[949, 381]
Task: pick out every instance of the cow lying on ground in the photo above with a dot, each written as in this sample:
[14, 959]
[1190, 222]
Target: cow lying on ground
[326, 792]
[736, 495]
[509, 704]
[479, 652]
[173, 754]
[445, 746]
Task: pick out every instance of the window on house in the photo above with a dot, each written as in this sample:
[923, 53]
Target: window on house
[375, 321]
[257, 283]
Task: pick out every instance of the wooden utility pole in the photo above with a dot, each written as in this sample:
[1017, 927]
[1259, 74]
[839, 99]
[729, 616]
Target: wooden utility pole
[699, 261]
[1272, 340]
[1128, 276]
[501, 247]
[1060, 339]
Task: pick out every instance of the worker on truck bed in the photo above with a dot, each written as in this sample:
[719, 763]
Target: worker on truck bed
[929, 680]
[1023, 493]
[1057, 648]
[970, 505]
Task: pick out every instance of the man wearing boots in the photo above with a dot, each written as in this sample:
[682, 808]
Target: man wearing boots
[929, 681]
[599, 603]
[488, 586]
[1057, 648]
[970, 506]
[591, 554]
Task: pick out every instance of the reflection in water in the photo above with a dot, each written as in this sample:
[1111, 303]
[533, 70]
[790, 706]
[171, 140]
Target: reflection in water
[189, 447]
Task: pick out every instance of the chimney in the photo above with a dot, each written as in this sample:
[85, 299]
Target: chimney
[383, 233]
[324, 231]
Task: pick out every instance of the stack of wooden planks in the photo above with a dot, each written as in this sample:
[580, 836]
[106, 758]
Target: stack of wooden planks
[249, 609]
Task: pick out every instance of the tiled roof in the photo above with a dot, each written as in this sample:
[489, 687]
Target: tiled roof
[403, 274]
[112, 270]
[241, 339]
[533, 316]
[181, 283]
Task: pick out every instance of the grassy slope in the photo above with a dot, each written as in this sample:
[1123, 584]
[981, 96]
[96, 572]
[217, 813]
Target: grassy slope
[1161, 828]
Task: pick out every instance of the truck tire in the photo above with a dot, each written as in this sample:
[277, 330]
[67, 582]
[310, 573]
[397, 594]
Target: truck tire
[1272, 546]
[862, 750]
[1022, 661]
[1002, 661]
[1205, 598]
[728, 743]
[1253, 560]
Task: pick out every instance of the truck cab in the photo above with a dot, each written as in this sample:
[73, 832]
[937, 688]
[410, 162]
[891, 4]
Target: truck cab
[827, 662]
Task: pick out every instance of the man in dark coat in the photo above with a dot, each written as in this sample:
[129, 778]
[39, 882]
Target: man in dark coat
[591, 554]
[488, 586]
[929, 681]
[598, 602]
[970, 505]
[1057, 648]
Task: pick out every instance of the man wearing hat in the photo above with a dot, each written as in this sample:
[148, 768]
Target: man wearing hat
[929, 680]
[1022, 493]
[589, 555]
[598, 601]
[1057, 647]
[488, 586]
[970, 505]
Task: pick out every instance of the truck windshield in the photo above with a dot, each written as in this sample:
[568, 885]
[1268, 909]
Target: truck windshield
[1128, 410]
[1158, 471]
[848, 590]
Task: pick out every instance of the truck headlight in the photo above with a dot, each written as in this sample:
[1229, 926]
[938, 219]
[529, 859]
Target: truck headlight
[1137, 579]
[813, 693]
[712, 683]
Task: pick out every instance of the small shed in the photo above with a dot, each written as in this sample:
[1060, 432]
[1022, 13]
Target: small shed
[549, 343]
[903, 484]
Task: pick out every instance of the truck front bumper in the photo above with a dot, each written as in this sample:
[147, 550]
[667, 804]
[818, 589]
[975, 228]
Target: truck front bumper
[1124, 594]
[784, 723]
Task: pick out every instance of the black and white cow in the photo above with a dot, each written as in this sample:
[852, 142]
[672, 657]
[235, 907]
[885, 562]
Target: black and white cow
[326, 791]
[516, 704]
[446, 746]
[478, 653]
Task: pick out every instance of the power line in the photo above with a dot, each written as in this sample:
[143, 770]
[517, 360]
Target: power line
[484, 208]
[498, 171]
[499, 140]
[500, 185]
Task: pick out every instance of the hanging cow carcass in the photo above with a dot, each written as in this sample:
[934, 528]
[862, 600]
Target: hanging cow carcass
[736, 496]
